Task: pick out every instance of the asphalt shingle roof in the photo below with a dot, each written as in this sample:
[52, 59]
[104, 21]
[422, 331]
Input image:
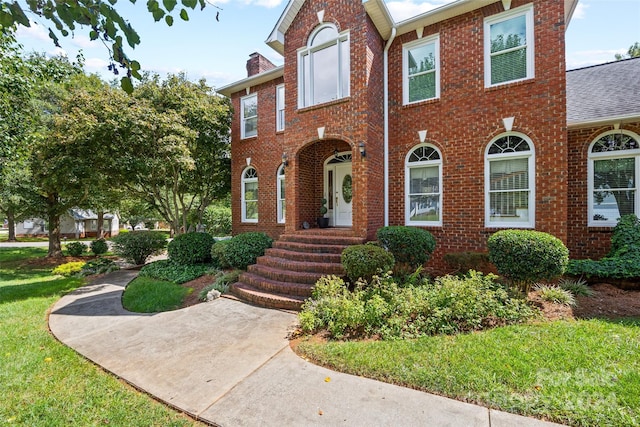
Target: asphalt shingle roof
[603, 91]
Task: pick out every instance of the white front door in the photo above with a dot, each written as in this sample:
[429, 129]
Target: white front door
[343, 195]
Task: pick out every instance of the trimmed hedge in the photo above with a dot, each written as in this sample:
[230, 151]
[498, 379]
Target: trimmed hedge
[191, 248]
[409, 245]
[243, 249]
[76, 248]
[527, 256]
[137, 246]
[365, 261]
[99, 247]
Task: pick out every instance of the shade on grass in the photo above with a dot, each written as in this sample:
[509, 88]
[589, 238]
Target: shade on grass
[148, 295]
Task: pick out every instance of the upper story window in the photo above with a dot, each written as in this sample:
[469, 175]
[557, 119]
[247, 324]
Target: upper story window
[423, 186]
[508, 46]
[279, 108]
[250, 195]
[323, 67]
[249, 116]
[421, 69]
[613, 171]
[510, 182]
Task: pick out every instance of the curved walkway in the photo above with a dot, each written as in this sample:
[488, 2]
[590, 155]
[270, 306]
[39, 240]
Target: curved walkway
[228, 363]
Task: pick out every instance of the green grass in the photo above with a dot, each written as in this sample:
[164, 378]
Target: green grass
[583, 373]
[44, 383]
[149, 295]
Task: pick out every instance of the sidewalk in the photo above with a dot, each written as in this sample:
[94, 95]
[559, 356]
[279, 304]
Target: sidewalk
[229, 364]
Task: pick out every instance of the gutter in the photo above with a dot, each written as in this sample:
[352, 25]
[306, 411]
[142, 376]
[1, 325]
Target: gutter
[604, 121]
[386, 122]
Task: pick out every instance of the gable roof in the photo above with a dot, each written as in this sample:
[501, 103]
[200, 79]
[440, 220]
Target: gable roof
[605, 93]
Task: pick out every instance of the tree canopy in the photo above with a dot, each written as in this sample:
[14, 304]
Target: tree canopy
[633, 52]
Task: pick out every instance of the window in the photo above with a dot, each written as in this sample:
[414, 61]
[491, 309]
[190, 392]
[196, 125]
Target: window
[250, 195]
[282, 206]
[613, 170]
[249, 119]
[323, 67]
[279, 108]
[509, 182]
[421, 70]
[508, 45]
[423, 186]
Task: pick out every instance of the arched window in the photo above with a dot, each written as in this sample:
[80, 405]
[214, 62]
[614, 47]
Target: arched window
[250, 195]
[423, 186]
[613, 171]
[282, 207]
[323, 67]
[510, 182]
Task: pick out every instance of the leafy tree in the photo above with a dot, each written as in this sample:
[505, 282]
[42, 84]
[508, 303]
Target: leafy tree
[633, 52]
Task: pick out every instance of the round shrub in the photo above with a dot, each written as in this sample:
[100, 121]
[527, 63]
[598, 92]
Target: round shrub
[69, 269]
[191, 248]
[219, 255]
[76, 248]
[243, 249]
[409, 245]
[137, 246]
[527, 256]
[99, 247]
[364, 261]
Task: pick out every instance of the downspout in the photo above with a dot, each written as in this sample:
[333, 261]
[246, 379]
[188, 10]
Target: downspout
[386, 123]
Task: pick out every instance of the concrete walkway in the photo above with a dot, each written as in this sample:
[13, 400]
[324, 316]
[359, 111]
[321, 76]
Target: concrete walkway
[229, 364]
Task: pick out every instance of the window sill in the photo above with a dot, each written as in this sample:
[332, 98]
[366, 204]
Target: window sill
[505, 85]
[246, 138]
[324, 105]
[421, 103]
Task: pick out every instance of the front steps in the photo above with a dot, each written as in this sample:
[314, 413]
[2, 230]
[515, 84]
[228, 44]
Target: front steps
[284, 277]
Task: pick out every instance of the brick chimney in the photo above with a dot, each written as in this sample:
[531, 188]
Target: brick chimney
[258, 64]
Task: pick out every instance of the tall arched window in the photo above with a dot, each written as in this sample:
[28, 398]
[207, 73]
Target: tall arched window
[613, 171]
[250, 195]
[423, 186]
[323, 67]
[510, 182]
[282, 207]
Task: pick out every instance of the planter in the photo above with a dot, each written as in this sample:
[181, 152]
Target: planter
[323, 222]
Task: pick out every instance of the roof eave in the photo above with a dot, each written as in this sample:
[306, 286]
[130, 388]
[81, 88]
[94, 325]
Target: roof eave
[612, 120]
[251, 81]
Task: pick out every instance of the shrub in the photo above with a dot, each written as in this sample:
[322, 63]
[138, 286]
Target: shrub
[218, 254]
[191, 248]
[137, 246]
[411, 247]
[99, 266]
[243, 249]
[363, 261]
[68, 269]
[390, 310]
[174, 272]
[527, 256]
[76, 248]
[556, 295]
[217, 219]
[221, 284]
[465, 261]
[99, 247]
[577, 287]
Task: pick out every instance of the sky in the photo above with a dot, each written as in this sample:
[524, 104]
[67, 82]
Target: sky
[218, 50]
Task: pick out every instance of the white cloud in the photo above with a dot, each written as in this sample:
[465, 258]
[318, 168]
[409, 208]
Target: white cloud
[35, 31]
[585, 58]
[581, 11]
[405, 9]
[84, 42]
[57, 51]
[95, 64]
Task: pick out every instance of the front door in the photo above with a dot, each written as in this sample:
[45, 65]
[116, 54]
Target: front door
[343, 195]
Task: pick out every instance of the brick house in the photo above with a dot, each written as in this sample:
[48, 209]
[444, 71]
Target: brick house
[455, 120]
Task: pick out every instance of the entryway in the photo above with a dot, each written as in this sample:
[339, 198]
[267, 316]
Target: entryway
[338, 189]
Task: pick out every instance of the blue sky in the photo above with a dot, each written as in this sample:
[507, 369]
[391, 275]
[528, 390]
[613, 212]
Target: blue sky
[218, 51]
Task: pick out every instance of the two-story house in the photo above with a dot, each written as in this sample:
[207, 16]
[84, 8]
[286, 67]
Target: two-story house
[454, 121]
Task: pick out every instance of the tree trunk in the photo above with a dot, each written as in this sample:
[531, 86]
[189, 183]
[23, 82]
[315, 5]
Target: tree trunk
[11, 222]
[100, 230]
[55, 248]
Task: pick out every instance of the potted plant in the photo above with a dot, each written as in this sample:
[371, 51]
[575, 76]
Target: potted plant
[323, 222]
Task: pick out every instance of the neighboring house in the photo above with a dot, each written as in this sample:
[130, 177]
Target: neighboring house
[456, 121]
[78, 223]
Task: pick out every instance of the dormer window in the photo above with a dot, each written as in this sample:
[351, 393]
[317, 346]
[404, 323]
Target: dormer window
[323, 67]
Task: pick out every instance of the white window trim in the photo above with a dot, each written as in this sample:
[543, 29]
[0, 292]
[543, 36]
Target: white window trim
[531, 156]
[343, 37]
[527, 11]
[280, 123]
[242, 199]
[622, 154]
[435, 39]
[407, 185]
[243, 118]
[280, 176]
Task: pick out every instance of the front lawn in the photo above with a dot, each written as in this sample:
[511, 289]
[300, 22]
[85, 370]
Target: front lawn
[148, 295]
[44, 383]
[583, 373]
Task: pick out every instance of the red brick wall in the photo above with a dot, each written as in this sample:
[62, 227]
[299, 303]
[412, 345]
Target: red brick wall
[584, 241]
[467, 116]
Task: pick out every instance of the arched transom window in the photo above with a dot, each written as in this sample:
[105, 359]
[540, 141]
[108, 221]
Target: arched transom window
[613, 170]
[250, 195]
[510, 182]
[323, 67]
[423, 186]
